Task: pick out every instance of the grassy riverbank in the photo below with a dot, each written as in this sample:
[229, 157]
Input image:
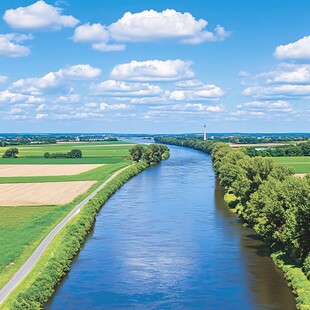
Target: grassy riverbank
[39, 285]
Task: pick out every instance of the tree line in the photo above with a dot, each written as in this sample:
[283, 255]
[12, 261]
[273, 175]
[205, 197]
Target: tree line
[301, 149]
[269, 198]
[151, 154]
[75, 153]
[200, 145]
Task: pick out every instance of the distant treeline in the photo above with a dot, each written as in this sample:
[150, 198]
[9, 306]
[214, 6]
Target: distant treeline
[200, 145]
[75, 153]
[300, 149]
[255, 140]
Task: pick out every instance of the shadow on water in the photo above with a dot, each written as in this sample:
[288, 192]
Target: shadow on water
[167, 240]
[268, 285]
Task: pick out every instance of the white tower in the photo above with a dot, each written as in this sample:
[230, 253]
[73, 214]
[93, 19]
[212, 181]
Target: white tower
[205, 133]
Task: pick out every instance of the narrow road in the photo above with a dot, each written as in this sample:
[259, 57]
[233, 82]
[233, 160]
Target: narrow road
[33, 259]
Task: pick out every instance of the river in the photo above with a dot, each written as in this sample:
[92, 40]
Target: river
[166, 240]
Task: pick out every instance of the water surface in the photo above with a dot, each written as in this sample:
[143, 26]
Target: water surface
[166, 240]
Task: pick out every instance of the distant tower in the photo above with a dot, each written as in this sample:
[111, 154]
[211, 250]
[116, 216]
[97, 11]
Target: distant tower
[204, 133]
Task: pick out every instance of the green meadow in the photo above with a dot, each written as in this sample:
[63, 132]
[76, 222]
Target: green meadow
[22, 228]
[300, 164]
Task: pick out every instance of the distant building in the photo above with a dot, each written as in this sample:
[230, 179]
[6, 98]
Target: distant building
[77, 139]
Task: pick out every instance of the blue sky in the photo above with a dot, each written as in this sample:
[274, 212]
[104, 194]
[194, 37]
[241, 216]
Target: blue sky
[154, 66]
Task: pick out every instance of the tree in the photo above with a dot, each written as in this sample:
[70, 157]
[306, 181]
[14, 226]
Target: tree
[136, 152]
[75, 153]
[47, 155]
[10, 153]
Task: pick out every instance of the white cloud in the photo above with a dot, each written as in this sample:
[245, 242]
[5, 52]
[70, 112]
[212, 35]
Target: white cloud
[121, 106]
[153, 70]
[38, 16]
[10, 97]
[296, 50]
[189, 84]
[71, 98]
[267, 104]
[10, 47]
[149, 26]
[56, 81]
[103, 47]
[91, 33]
[198, 107]
[98, 35]
[289, 74]
[205, 93]
[125, 89]
[277, 91]
[81, 72]
[41, 115]
[35, 86]
[3, 78]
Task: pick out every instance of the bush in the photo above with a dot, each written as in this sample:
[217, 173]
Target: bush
[11, 153]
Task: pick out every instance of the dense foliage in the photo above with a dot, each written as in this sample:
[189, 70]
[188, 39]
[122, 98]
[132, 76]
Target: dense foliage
[271, 199]
[301, 149]
[75, 153]
[151, 154]
[10, 153]
[67, 245]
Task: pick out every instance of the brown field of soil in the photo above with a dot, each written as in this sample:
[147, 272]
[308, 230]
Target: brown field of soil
[45, 193]
[44, 170]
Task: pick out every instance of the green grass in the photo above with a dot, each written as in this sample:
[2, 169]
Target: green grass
[300, 164]
[23, 228]
[89, 150]
[21, 231]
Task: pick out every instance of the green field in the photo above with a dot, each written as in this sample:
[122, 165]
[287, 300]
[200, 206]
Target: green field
[300, 164]
[23, 228]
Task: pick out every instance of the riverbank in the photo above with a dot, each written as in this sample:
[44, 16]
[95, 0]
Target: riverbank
[38, 286]
[295, 274]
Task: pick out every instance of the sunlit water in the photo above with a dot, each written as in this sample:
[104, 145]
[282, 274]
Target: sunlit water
[166, 240]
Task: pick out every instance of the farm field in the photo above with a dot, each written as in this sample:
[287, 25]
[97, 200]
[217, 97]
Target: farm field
[44, 170]
[45, 193]
[300, 164]
[23, 226]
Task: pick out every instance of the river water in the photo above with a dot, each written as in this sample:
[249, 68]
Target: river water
[166, 240]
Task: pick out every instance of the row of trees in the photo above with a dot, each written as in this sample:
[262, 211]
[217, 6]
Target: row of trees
[200, 145]
[270, 199]
[151, 154]
[75, 153]
[301, 149]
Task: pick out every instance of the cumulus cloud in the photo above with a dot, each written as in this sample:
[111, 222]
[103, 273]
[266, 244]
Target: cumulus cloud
[289, 74]
[277, 91]
[98, 36]
[125, 89]
[153, 70]
[204, 93]
[151, 25]
[10, 47]
[11, 97]
[148, 26]
[81, 72]
[296, 50]
[56, 81]
[38, 16]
